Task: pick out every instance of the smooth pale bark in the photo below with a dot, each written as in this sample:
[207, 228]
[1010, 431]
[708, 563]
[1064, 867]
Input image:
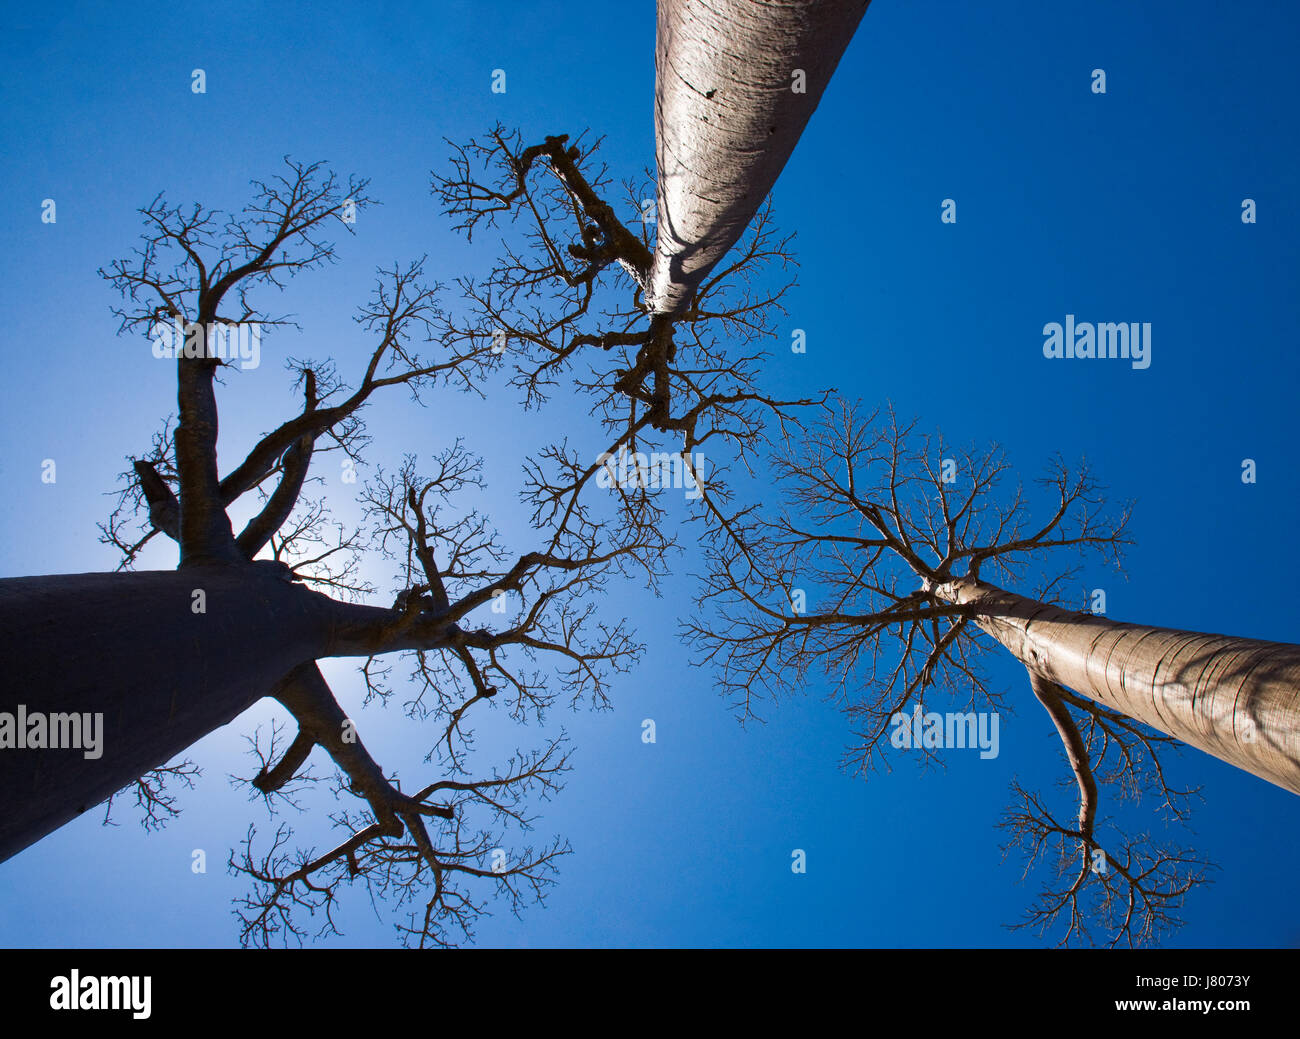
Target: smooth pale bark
[1235, 698]
[129, 646]
[727, 117]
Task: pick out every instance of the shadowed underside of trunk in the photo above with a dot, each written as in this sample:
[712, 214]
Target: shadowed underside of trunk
[728, 114]
[1235, 698]
[130, 647]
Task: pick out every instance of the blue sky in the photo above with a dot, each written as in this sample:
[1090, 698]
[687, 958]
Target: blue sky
[1116, 207]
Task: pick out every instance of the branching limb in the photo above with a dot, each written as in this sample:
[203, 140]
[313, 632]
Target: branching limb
[158, 805]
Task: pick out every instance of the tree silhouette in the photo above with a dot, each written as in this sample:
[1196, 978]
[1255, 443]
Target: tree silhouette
[168, 656]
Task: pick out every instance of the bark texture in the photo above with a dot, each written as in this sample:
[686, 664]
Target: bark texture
[728, 114]
[1235, 698]
[129, 646]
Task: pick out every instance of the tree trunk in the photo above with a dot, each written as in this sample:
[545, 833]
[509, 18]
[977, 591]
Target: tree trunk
[1235, 698]
[132, 648]
[729, 110]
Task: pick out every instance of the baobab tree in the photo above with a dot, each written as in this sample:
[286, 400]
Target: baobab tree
[890, 571]
[165, 657]
[735, 85]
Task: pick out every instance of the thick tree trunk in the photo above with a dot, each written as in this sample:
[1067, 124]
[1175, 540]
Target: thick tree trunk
[131, 647]
[735, 84]
[1235, 698]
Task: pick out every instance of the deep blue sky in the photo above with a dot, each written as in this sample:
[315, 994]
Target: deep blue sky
[1122, 207]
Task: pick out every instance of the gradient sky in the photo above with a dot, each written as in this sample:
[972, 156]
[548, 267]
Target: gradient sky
[1116, 207]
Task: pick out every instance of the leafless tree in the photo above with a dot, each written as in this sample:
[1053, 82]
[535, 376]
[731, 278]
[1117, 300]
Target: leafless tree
[168, 656]
[904, 544]
[567, 297]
